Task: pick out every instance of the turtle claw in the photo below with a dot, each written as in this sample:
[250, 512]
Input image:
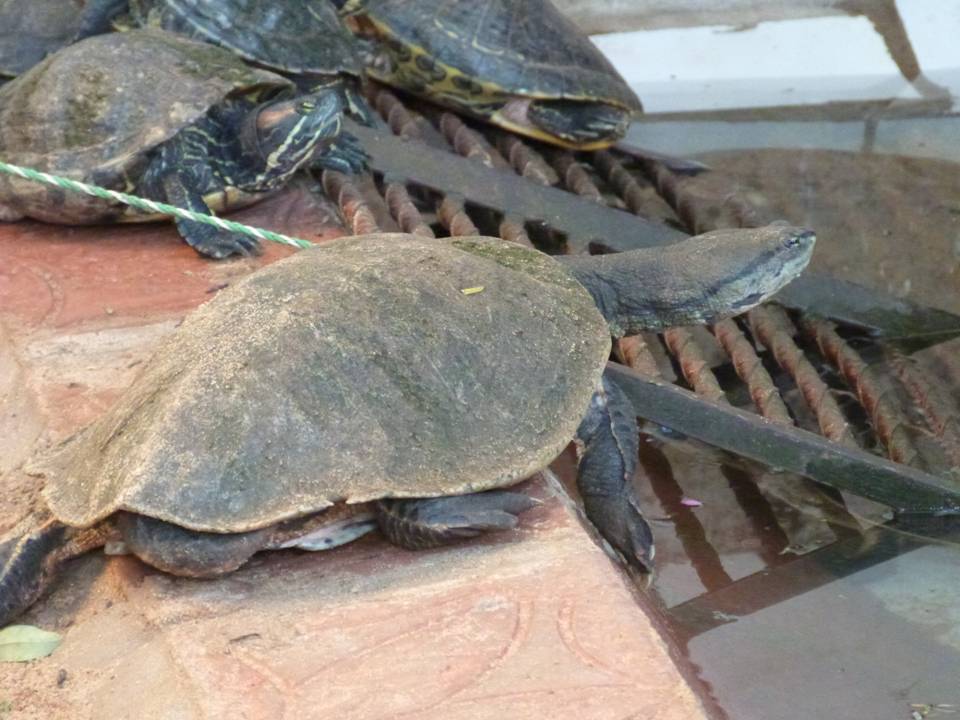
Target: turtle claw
[345, 155]
[220, 244]
[429, 522]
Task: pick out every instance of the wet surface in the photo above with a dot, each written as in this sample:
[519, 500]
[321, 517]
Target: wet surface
[781, 600]
[786, 600]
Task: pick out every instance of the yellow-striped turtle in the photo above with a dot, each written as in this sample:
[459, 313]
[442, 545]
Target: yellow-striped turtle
[161, 116]
[281, 415]
[519, 64]
[303, 39]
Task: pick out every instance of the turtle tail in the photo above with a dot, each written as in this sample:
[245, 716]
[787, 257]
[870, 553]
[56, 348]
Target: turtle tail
[30, 556]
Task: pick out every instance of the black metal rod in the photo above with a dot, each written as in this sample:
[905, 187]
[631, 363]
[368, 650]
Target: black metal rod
[791, 449]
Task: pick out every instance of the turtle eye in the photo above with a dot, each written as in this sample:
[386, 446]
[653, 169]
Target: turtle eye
[307, 106]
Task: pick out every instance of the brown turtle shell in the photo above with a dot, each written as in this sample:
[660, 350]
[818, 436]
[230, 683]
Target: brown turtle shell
[94, 110]
[356, 370]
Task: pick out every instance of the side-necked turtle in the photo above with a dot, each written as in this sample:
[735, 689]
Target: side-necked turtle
[161, 116]
[304, 39]
[279, 415]
[32, 29]
[519, 64]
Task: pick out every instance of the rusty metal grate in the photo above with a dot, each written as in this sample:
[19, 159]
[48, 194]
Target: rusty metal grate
[801, 367]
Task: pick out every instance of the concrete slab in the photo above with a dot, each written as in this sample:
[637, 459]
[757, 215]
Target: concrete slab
[532, 623]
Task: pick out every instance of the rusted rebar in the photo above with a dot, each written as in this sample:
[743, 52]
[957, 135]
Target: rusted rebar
[887, 420]
[940, 412]
[526, 161]
[401, 121]
[632, 351]
[356, 211]
[468, 142]
[512, 230]
[771, 326]
[693, 363]
[750, 369]
[621, 180]
[454, 217]
[576, 178]
[406, 214]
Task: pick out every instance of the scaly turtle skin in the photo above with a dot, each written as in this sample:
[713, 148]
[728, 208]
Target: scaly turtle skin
[32, 29]
[519, 64]
[278, 415]
[304, 39]
[165, 117]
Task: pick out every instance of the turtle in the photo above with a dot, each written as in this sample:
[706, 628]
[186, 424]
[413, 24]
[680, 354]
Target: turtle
[519, 64]
[32, 29]
[164, 117]
[278, 415]
[304, 40]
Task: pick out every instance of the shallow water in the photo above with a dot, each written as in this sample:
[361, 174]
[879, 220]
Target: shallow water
[783, 603]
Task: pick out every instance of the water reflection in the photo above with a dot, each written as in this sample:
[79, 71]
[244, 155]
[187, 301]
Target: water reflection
[791, 601]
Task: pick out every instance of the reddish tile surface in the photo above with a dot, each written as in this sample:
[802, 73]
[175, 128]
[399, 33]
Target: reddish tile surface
[534, 623]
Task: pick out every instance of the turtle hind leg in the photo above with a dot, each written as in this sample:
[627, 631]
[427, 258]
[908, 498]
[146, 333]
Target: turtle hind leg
[579, 122]
[608, 462]
[189, 553]
[32, 553]
[419, 523]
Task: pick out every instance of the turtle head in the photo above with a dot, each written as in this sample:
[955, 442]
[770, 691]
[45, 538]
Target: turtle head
[287, 133]
[699, 280]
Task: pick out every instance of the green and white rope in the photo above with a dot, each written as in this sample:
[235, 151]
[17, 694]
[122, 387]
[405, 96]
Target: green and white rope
[149, 205]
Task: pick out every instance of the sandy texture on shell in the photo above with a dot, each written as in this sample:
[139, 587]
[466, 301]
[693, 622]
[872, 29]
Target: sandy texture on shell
[347, 372]
[92, 111]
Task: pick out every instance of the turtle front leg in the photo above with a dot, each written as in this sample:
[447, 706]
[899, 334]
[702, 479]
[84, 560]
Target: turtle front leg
[205, 239]
[420, 523]
[177, 176]
[345, 155]
[31, 555]
[608, 462]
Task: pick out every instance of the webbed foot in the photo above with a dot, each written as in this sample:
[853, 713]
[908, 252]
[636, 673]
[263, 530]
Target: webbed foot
[216, 243]
[608, 463]
[345, 155]
[428, 522]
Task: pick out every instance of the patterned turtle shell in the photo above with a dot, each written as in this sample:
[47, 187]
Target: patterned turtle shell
[494, 47]
[291, 36]
[93, 112]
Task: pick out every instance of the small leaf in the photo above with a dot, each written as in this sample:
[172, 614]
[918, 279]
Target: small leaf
[472, 290]
[19, 643]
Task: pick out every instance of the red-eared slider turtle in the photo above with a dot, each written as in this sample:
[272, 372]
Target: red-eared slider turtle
[277, 414]
[303, 39]
[162, 116]
[32, 29]
[519, 64]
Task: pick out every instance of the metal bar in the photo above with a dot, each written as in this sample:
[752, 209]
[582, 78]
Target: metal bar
[696, 370]
[792, 449]
[406, 214]
[356, 209]
[773, 328]
[584, 222]
[750, 369]
[886, 418]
